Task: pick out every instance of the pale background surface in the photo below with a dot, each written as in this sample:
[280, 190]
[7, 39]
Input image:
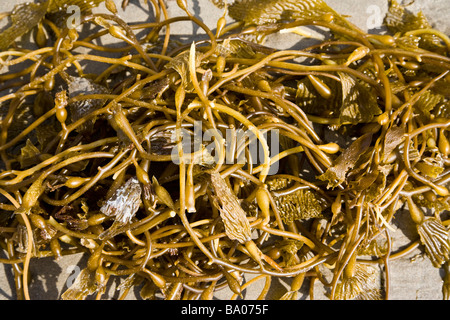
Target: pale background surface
[412, 277]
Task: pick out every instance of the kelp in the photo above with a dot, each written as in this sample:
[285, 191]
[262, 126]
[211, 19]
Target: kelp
[83, 5]
[360, 286]
[296, 204]
[269, 16]
[26, 17]
[233, 216]
[400, 21]
[427, 102]
[346, 161]
[178, 169]
[350, 102]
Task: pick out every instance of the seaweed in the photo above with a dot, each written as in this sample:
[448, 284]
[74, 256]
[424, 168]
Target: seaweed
[180, 168]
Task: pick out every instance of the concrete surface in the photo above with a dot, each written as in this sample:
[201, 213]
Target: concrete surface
[412, 277]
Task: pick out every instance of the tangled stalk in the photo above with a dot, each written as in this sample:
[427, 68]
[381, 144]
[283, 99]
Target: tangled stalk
[143, 167]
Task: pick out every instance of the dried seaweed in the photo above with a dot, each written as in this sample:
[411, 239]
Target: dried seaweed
[183, 167]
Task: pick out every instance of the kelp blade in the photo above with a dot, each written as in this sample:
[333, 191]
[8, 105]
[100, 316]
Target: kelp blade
[24, 17]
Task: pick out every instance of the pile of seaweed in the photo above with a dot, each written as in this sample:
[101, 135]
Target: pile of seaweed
[142, 165]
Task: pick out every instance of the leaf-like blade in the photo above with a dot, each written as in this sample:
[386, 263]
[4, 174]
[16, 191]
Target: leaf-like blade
[83, 286]
[240, 48]
[233, 216]
[394, 137]
[312, 102]
[181, 65]
[59, 5]
[29, 155]
[351, 101]
[427, 102]
[24, 17]
[439, 205]
[431, 167]
[297, 205]
[361, 286]
[359, 105]
[289, 249]
[398, 19]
